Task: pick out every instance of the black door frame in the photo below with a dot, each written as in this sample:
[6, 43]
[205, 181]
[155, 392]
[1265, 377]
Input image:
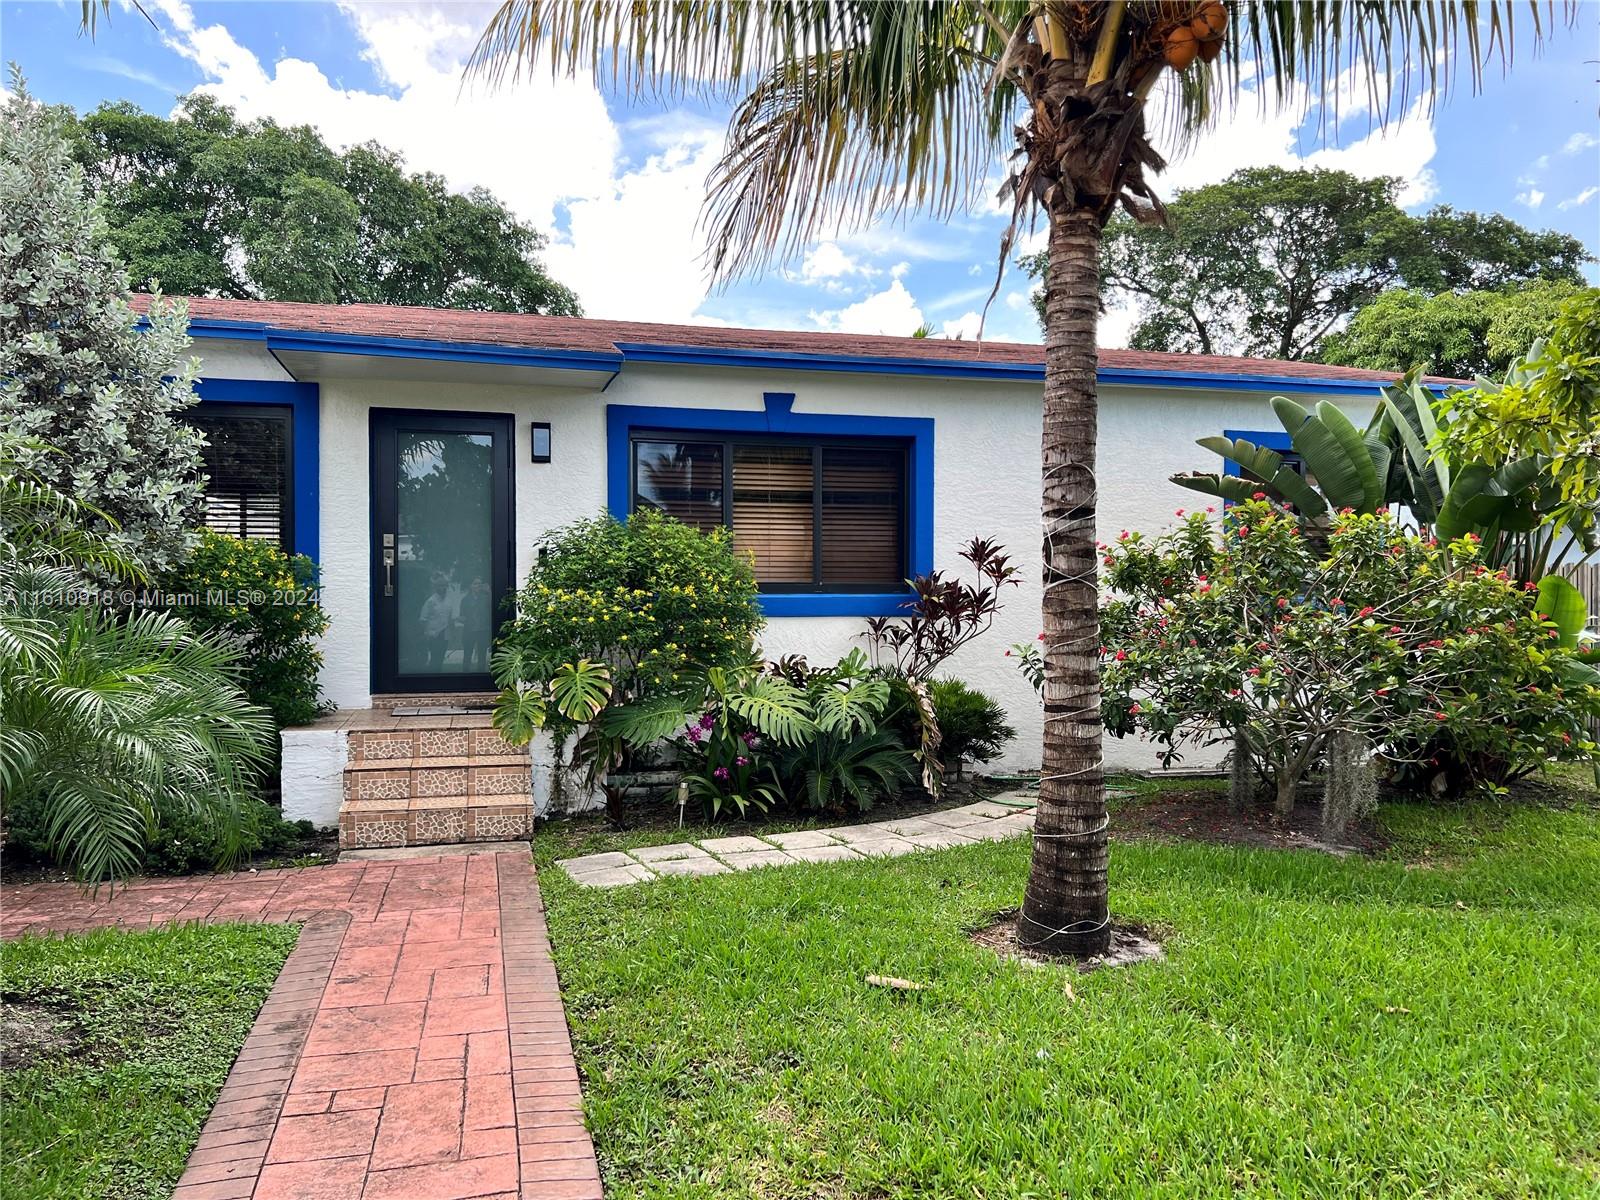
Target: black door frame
[384, 425]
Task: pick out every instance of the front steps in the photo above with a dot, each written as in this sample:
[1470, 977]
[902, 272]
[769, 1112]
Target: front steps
[432, 779]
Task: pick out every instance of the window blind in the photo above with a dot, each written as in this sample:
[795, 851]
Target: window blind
[861, 492]
[773, 489]
[247, 465]
[813, 514]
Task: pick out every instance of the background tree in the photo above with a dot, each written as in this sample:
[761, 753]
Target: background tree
[1270, 261]
[850, 112]
[97, 398]
[1461, 335]
[206, 204]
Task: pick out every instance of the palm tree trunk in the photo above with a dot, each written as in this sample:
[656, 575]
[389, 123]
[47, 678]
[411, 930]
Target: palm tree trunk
[1064, 909]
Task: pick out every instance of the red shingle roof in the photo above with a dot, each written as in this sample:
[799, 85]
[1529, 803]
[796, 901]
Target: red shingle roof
[600, 336]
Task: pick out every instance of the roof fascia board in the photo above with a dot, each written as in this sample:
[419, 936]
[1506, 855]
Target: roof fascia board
[644, 352]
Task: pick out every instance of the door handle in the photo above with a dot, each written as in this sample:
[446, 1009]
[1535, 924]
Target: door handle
[388, 567]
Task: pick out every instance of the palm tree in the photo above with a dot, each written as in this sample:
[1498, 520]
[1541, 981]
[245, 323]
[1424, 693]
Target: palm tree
[851, 111]
[109, 722]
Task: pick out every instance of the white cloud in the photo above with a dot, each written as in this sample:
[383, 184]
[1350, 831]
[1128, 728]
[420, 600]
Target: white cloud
[630, 252]
[827, 261]
[1533, 197]
[1578, 201]
[891, 311]
[965, 326]
[547, 147]
[1579, 142]
[1250, 134]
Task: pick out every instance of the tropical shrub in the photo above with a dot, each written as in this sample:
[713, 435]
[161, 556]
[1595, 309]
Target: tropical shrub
[109, 721]
[98, 396]
[1252, 633]
[1510, 463]
[972, 725]
[178, 843]
[265, 600]
[944, 612]
[615, 613]
[852, 758]
[1547, 407]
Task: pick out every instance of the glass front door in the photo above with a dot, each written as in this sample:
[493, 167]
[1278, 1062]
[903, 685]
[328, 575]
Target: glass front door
[441, 547]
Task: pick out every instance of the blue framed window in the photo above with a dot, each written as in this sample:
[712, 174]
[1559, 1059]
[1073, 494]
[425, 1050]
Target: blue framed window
[837, 511]
[262, 459]
[1267, 439]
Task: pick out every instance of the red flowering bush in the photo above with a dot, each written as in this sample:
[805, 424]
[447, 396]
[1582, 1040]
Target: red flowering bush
[1249, 632]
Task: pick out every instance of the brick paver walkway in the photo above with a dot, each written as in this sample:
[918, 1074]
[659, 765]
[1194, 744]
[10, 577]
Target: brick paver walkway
[414, 1048]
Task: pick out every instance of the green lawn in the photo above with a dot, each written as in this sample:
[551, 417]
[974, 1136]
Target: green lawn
[1323, 1027]
[116, 1045]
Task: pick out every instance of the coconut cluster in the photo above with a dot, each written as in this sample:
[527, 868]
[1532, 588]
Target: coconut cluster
[1199, 36]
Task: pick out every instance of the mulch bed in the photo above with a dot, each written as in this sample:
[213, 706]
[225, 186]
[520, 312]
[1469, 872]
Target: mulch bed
[1206, 816]
[1130, 944]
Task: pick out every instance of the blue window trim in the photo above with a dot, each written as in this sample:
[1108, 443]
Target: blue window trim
[1267, 439]
[778, 417]
[306, 463]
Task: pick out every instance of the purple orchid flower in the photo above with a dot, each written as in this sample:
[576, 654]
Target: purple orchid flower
[721, 772]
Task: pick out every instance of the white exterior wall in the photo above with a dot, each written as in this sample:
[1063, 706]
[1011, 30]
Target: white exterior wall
[986, 484]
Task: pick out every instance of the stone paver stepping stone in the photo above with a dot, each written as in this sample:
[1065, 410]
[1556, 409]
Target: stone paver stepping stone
[612, 876]
[655, 854]
[854, 835]
[910, 825]
[955, 818]
[986, 808]
[980, 821]
[939, 840]
[594, 862]
[744, 860]
[833, 853]
[803, 839]
[733, 845]
[889, 847]
[705, 865]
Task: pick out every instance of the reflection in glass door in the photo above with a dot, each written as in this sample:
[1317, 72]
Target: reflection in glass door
[442, 547]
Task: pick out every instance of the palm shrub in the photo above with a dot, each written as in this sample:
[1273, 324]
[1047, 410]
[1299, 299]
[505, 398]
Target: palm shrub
[853, 759]
[109, 723]
[972, 724]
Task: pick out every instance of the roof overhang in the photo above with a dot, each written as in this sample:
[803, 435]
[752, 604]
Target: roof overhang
[864, 364]
[312, 356]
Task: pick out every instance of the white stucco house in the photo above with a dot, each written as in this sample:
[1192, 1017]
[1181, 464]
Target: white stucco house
[417, 451]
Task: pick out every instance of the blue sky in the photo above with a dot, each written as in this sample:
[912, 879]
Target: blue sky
[617, 185]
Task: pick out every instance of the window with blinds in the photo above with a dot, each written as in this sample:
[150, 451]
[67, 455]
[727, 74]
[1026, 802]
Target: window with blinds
[814, 515]
[247, 461]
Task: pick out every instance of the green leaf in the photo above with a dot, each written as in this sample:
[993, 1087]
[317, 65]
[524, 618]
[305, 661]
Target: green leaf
[1563, 606]
[1454, 520]
[1366, 486]
[647, 721]
[775, 707]
[519, 713]
[853, 709]
[580, 690]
